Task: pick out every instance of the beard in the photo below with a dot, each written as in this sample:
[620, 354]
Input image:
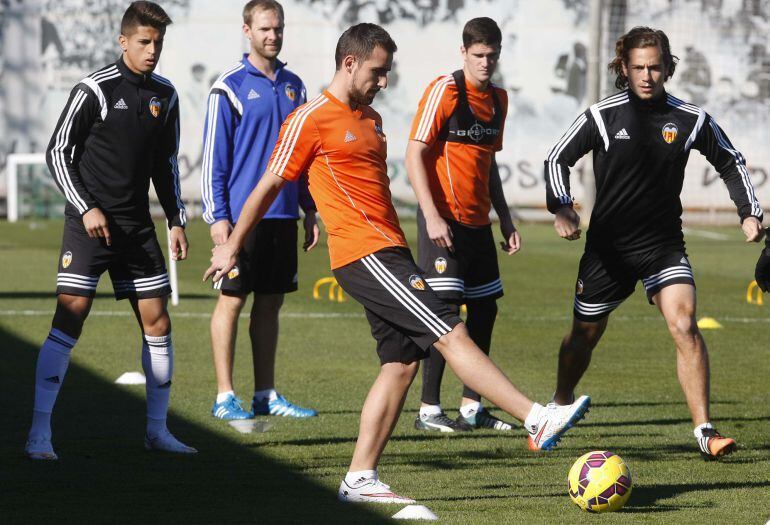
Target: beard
[360, 97]
[268, 53]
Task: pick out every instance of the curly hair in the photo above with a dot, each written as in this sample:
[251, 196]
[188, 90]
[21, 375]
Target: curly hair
[637, 38]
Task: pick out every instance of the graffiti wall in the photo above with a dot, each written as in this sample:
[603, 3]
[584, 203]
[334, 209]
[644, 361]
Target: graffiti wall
[724, 47]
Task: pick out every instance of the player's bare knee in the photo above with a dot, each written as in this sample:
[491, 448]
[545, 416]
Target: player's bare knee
[683, 327]
[585, 335]
[71, 313]
[156, 325]
[403, 373]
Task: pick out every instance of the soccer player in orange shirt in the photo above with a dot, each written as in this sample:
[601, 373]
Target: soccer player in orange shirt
[451, 164]
[339, 141]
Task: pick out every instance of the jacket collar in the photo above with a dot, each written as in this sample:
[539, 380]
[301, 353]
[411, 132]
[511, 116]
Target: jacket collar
[134, 78]
[254, 71]
[656, 104]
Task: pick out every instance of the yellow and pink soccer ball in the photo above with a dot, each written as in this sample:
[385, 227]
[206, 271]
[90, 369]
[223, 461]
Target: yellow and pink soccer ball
[599, 481]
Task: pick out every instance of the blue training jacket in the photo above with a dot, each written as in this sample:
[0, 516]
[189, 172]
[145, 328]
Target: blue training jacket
[245, 112]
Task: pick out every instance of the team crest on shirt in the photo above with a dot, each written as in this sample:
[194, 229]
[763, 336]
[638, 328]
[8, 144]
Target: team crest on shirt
[66, 259]
[579, 287]
[291, 92]
[155, 106]
[669, 132]
[232, 274]
[416, 282]
[440, 265]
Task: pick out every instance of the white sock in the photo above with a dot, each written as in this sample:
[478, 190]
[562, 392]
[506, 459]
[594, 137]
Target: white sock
[52, 364]
[470, 409]
[430, 410]
[356, 478]
[269, 393]
[534, 416]
[222, 397]
[698, 431]
[158, 366]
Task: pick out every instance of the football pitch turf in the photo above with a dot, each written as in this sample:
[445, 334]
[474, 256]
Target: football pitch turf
[327, 361]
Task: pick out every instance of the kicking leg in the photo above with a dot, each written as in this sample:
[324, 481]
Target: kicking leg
[52, 362]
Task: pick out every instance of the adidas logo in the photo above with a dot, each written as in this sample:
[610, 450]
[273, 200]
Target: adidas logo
[349, 137]
[252, 95]
[120, 104]
[622, 134]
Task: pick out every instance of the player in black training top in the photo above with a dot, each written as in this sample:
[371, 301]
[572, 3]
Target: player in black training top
[119, 129]
[641, 139]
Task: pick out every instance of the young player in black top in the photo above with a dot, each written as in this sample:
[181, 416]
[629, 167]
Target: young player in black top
[641, 139]
[119, 129]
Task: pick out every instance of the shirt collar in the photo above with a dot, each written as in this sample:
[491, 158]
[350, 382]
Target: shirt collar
[648, 105]
[254, 71]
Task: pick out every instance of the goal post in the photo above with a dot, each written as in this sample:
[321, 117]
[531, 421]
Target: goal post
[17, 206]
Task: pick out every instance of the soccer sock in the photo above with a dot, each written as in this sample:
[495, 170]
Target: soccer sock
[158, 366]
[533, 418]
[269, 393]
[430, 410]
[221, 398]
[698, 431]
[470, 409]
[52, 364]
[356, 478]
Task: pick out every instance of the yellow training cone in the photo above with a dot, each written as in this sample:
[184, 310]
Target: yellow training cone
[709, 323]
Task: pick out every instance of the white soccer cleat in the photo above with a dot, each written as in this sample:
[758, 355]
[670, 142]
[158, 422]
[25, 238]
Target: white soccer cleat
[40, 449]
[166, 442]
[554, 421]
[370, 491]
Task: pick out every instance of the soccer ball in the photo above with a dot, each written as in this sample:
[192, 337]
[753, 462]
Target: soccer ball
[599, 482]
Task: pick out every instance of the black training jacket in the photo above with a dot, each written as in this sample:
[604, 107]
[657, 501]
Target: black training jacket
[118, 130]
[640, 152]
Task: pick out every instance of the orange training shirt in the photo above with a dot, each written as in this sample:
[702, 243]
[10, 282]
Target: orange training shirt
[458, 174]
[344, 153]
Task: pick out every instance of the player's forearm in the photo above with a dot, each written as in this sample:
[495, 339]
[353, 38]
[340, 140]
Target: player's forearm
[497, 196]
[418, 177]
[255, 207]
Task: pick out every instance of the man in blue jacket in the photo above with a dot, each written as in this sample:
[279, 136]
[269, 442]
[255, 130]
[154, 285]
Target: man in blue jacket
[246, 107]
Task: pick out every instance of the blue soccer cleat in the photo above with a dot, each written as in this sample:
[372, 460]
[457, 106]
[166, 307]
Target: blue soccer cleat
[280, 406]
[230, 409]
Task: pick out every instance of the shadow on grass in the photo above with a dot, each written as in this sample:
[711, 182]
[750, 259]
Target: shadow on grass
[104, 475]
[668, 421]
[648, 498]
[106, 295]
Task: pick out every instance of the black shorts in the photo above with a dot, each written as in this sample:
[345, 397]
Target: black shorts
[470, 272]
[267, 264]
[606, 280]
[405, 314]
[134, 260]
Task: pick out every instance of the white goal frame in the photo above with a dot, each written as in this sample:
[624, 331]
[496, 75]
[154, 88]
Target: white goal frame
[15, 160]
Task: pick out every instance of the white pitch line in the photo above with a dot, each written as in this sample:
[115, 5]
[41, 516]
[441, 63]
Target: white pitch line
[340, 315]
[706, 234]
[199, 315]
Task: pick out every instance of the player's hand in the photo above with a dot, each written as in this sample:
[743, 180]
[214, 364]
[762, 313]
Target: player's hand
[96, 225]
[566, 223]
[512, 242]
[762, 270]
[752, 228]
[220, 231]
[439, 232]
[312, 231]
[222, 261]
[178, 240]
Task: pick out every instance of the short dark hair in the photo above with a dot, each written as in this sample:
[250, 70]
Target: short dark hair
[360, 40]
[143, 13]
[482, 30]
[637, 38]
[262, 5]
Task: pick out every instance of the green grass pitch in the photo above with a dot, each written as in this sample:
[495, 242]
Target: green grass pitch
[326, 360]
